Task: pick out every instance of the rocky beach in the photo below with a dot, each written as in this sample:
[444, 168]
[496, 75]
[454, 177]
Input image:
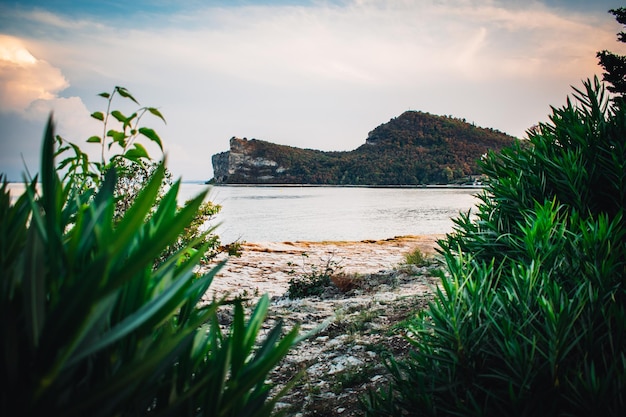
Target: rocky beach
[352, 321]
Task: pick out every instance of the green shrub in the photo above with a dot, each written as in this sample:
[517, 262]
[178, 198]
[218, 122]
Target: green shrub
[91, 327]
[415, 257]
[312, 279]
[530, 318]
[122, 144]
[122, 147]
[196, 235]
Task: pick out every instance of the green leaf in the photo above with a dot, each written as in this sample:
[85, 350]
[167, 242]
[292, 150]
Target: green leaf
[168, 230]
[268, 356]
[118, 137]
[105, 95]
[256, 321]
[67, 161]
[157, 113]
[158, 308]
[152, 135]
[50, 186]
[119, 386]
[34, 286]
[118, 115]
[94, 139]
[137, 213]
[129, 119]
[98, 116]
[125, 93]
[137, 152]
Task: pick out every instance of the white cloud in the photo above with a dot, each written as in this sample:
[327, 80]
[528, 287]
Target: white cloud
[29, 90]
[368, 43]
[30, 87]
[72, 117]
[24, 78]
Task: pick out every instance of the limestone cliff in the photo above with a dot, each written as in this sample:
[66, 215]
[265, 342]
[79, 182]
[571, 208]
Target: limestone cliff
[246, 162]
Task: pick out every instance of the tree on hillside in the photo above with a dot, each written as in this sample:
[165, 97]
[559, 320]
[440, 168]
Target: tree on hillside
[613, 64]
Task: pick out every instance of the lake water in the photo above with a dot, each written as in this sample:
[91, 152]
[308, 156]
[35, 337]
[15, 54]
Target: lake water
[278, 214]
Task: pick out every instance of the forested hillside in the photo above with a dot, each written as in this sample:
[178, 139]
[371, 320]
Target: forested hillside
[411, 149]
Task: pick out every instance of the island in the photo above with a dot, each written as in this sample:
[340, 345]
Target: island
[415, 148]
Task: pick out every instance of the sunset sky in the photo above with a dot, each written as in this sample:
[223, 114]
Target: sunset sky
[309, 73]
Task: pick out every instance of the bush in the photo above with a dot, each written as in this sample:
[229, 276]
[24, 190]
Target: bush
[91, 327]
[530, 318]
[122, 146]
[416, 257]
[312, 279]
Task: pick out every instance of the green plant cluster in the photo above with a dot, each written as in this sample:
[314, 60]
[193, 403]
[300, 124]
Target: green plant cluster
[530, 318]
[91, 325]
[121, 145]
[416, 257]
[122, 148]
[414, 148]
[311, 280]
[195, 237]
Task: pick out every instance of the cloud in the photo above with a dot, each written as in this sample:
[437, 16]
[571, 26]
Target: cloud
[364, 43]
[382, 42]
[30, 87]
[29, 93]
[70, 114]
[24, 78]
[42, 17]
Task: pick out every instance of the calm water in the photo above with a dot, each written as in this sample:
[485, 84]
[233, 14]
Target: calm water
[279, 214]
[256, 214]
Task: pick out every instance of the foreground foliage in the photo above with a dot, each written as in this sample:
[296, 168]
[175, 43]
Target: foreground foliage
[530, 318]
[123, 146]
[91, 327]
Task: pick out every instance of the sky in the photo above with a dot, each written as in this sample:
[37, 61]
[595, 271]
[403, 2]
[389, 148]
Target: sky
[317, 74]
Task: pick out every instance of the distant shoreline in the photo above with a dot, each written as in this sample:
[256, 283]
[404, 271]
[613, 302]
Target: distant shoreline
[429, 186]
[14, 184]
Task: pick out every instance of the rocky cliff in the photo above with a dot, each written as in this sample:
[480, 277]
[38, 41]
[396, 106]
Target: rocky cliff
[414, 148]
[243, 162]
[257, 162]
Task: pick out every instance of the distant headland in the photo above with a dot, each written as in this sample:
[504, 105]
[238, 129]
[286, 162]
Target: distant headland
[413, 149]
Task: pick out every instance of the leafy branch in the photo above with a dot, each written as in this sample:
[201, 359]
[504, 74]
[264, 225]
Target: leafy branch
[131, 131]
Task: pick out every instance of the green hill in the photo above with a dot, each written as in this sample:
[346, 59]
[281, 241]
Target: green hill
[412, 149]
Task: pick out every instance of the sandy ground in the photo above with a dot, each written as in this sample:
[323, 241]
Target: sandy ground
[264, 267]
[348, 329]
